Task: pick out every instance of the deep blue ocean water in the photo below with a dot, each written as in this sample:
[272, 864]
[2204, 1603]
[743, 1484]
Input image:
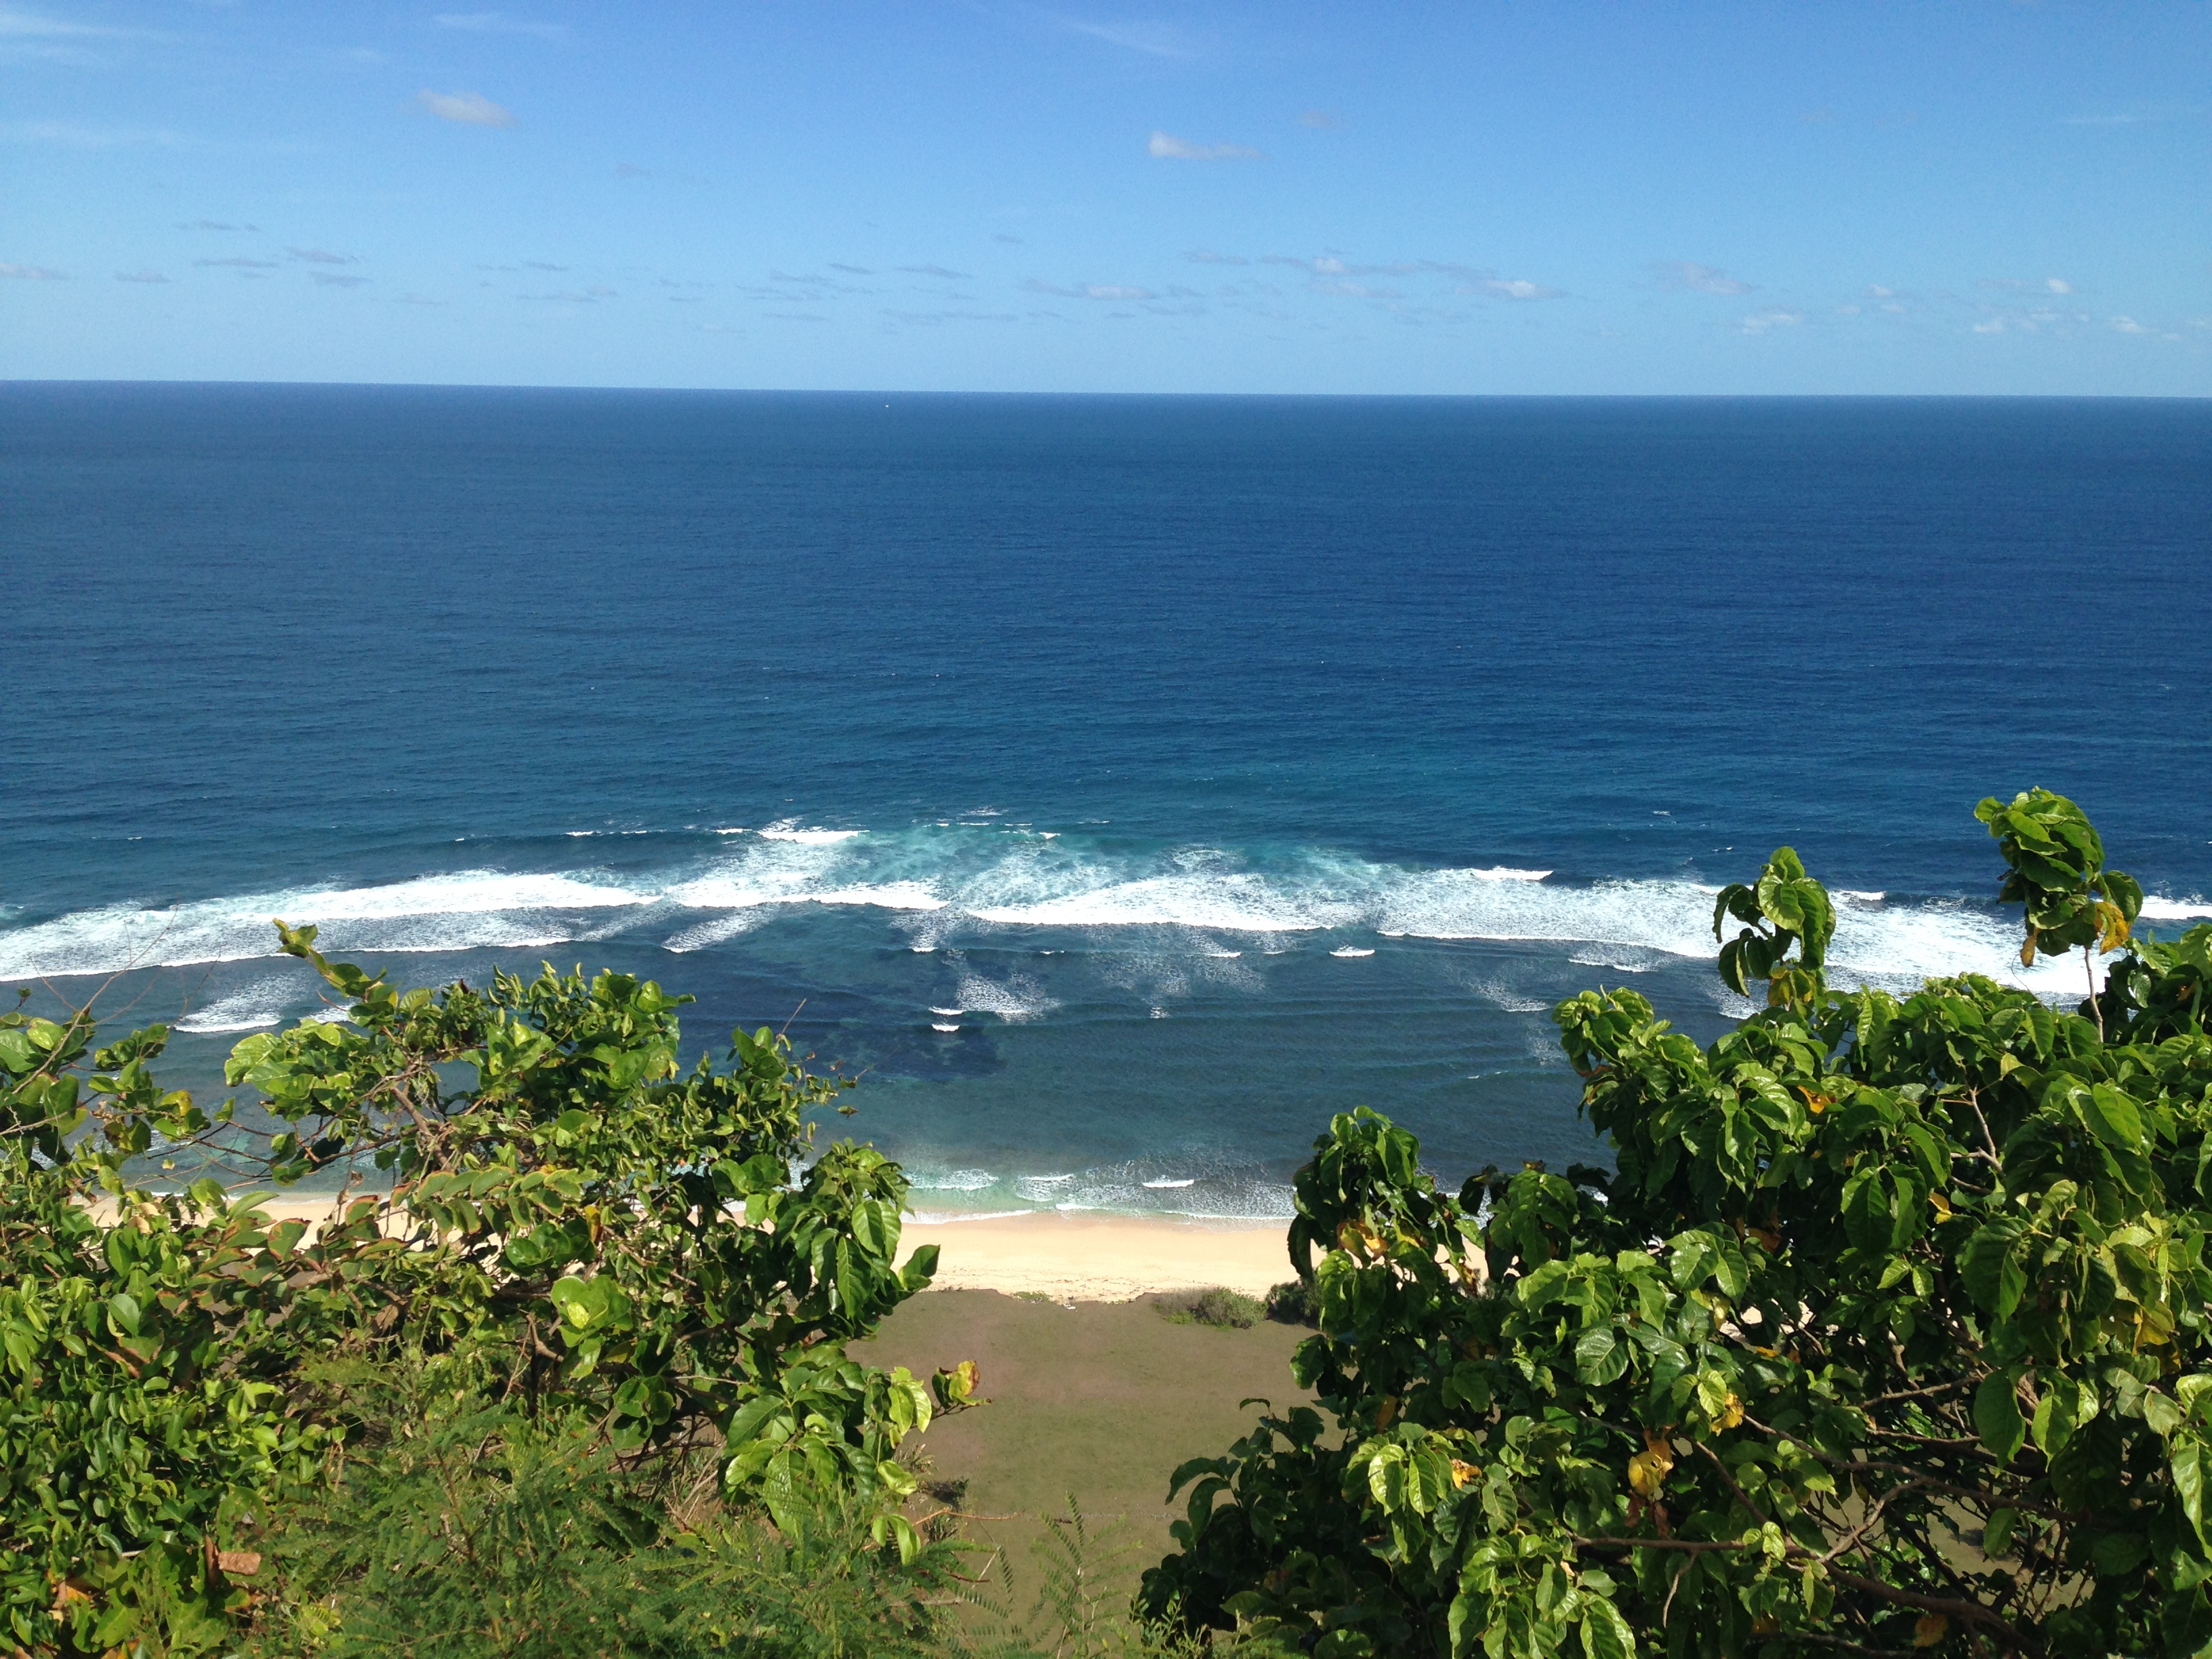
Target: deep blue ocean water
[1122, 784]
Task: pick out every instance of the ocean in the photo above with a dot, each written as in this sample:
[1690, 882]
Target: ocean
[1119, 786]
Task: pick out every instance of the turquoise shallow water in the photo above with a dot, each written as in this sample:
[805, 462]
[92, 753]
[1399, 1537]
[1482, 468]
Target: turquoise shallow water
[1121, 784]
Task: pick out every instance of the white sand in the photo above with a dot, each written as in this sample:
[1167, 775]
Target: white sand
[1068, 1256]
[1091, 1257]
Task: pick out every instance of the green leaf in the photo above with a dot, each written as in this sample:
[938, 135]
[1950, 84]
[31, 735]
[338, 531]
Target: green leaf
[1997, 1418]
[2186, 1461]
[1605, 1633]
[1600, 1356]
[2112, 1116]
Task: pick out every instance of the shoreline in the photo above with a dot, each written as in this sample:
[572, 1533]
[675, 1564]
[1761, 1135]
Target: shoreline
[1088, 1256]
[1093, 1256]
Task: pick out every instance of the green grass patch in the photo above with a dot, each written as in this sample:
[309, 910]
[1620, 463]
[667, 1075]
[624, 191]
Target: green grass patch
[1223, 1309]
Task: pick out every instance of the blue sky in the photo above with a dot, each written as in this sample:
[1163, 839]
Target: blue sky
[1983, 196]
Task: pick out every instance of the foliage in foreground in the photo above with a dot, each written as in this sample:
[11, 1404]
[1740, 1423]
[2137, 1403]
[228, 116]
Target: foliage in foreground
[1888, 1333]
[579, 1231]
[473, 1533]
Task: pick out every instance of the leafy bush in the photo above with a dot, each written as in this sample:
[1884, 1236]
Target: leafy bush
[1888, 1332]
[1290, 1304]
[579, 1232]
[471, 1531]
[1225, 1309]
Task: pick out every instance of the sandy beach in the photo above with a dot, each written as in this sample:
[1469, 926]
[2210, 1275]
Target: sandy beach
[1090, 1256]
[1079, 1256]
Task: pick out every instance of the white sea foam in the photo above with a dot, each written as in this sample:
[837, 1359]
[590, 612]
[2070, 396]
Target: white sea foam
[1166, 1184]
[264, 1003]
[951, 1181]
[2167, 909]
[1013, 1000]
[789, 831]
[1196, 908]
[1226, 902]
[946, 1218]
[939, 1025]
[886, 896]
[700, 935]
[460, 911]
[1512, 1002]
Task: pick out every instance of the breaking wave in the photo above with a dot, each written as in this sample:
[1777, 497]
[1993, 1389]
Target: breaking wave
[957, 885]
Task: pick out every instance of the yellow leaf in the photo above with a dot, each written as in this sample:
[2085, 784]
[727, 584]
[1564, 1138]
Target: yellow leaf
[1388, 1412]
[1462, 1473]
[2114, 923]
[1929, 1629]
[1731, 1413]
[1943, 1205]
[2028, 950]
[1649, 1468]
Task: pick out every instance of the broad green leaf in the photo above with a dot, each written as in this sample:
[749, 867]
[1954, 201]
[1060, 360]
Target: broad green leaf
[1997, 1416]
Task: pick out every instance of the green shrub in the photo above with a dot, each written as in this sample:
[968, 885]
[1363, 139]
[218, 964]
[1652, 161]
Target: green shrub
[470, 1531]
[1225, 1309]
[1888, 1332]
[579, 1232]
[1290, 1304]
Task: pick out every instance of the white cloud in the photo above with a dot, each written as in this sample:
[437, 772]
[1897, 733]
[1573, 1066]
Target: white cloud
[1153, 39]
[140, 277]
[937, 271]
[1518, 287]
[1684, 273]
[1091, 290]
[318, 256]
[335, 279]
[31, 273]
[1880, 293]
[2130, 325]
[1994, 326]
[1761, 322]
[1319, 119]
[1166, 147]
[498, 22]
[34, 36]
[242, 262]
[83, 137]
[1206, 257]
[469, 109]
[2058, 285]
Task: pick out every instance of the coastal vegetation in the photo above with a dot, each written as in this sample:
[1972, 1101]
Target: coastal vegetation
[1882, 1328]
[1886, 1332]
